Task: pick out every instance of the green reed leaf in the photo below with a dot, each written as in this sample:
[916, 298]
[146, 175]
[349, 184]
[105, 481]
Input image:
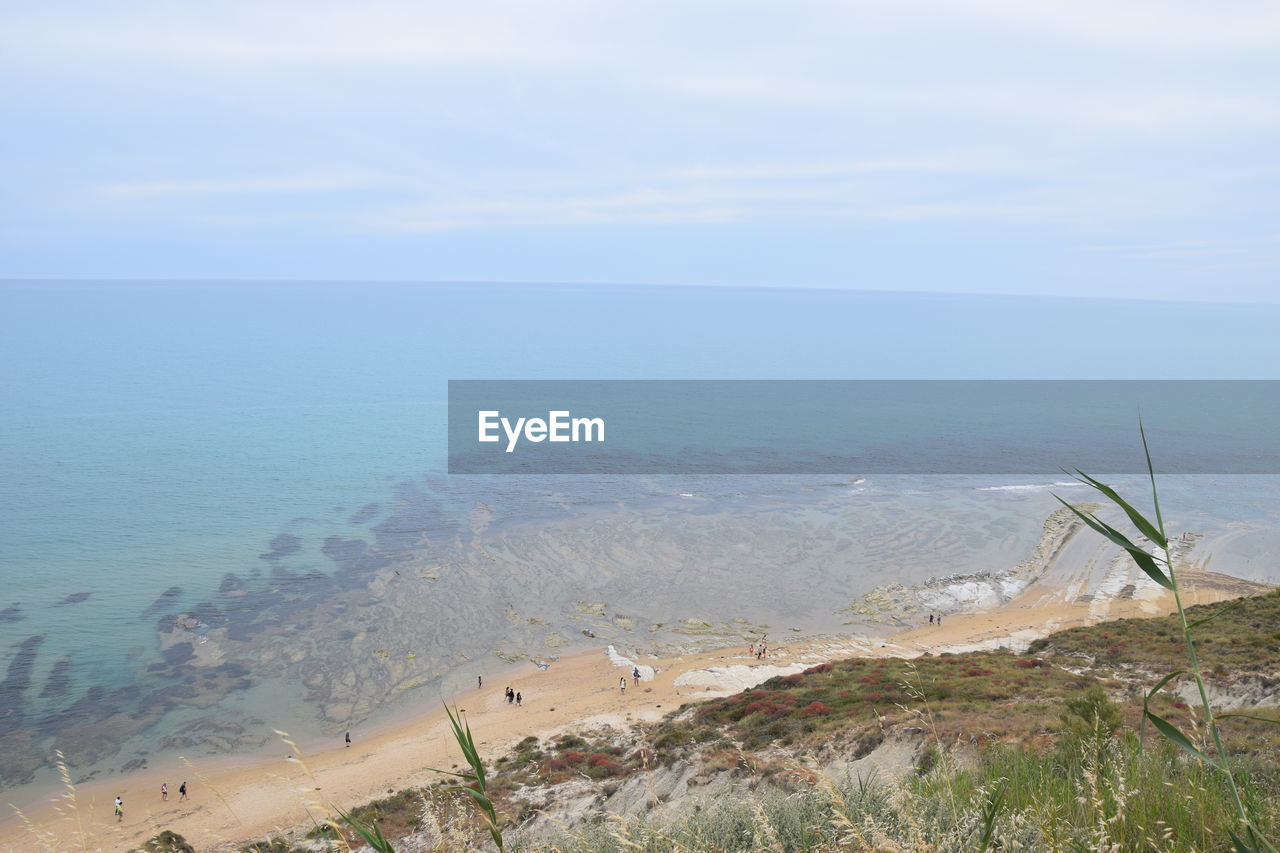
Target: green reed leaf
[1147, 528]
[1143, 559]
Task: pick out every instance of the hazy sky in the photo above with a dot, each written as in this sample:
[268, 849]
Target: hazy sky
[1044, 147]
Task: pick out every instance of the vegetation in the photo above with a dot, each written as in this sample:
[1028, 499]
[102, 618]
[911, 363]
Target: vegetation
[1246, 835]
[1247, 642]
[274, 845]
[1070, 799]
[167, 842]
[477, 786]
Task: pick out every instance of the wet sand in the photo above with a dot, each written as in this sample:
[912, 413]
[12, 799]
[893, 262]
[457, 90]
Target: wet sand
[238, 801]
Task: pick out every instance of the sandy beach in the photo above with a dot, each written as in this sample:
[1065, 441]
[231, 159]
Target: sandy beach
[243, 800]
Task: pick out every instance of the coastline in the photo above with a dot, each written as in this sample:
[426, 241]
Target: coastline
[235, 800]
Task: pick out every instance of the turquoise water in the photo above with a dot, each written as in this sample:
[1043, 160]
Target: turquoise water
[156, 437]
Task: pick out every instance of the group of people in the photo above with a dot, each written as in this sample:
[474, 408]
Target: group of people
[513, 698]
[622, 680]
[164, 797]
[935, 620]
[760, 651]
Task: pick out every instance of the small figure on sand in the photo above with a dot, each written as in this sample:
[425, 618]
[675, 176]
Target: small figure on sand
[182, 792]
[635, 674]
[622, 684]
[348, 739]
[119, 809]
[930, 618]
[164, 792]
[519, 699]
[511, 695]
[479, 681]
[938, 621]
[751, 649]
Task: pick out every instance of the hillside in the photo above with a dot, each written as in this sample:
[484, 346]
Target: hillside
[1034, 751]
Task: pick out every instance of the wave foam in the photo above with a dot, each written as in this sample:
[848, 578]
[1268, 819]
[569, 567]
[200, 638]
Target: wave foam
[1027, 487]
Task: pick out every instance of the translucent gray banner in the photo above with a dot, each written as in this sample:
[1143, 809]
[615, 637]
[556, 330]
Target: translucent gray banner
[861, 426]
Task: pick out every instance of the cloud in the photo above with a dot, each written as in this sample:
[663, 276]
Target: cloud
[1076, 120]
[945, 163]
[240, 186]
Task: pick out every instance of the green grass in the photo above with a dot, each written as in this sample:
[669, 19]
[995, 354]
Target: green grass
[987, 696]
[1072, 798]
[167, 842]
[1244, 639]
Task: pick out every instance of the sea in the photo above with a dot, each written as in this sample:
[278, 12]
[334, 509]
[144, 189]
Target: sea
[225, 507]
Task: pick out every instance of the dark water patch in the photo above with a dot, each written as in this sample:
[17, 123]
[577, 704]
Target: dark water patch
[178, 654]
[165, 601]
[12, 613]
[13, 711]
[20, 756]
[216, 735]
[353, 556]
[134, 765]
[58, 684]
[209, 614]
[74, 598]
[279, 574]
[87, 740]
[365, 514]
[231, 584]
[282, 545]
[234, 670]
[419, 518]
[164, 699]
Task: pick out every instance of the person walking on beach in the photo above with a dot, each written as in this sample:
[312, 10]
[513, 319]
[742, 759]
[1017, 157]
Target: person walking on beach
[348, 740]
[519, 699]
[182, 791]
[751, 649]
[119, 809]
[635, 674]
[622, 685]
[930, 618]
[511, 695]
[479, 681]
[164, 792]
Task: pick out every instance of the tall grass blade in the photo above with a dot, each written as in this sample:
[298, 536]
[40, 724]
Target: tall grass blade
[1143, 559]
[1170, 731]
[1151, 473]
[1140, 521]
[1146, 701]
[1272, 720]
[1215, 614]
[371, 834]
[990, 811]
[479, 794]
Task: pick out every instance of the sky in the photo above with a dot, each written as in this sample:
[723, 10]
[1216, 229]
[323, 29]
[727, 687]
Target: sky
[1048, 148]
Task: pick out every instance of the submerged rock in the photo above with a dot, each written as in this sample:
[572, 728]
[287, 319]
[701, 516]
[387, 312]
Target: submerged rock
[282, 546]
[59, 681]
